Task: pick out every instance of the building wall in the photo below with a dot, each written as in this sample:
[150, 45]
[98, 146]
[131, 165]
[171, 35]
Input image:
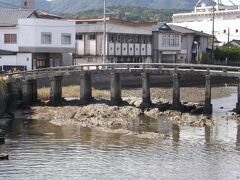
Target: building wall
[30, 33]
[20, 59]
[24, 59]
[221, 27]
[8, 60]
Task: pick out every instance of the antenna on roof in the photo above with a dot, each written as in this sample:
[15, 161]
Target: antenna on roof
[28, 4]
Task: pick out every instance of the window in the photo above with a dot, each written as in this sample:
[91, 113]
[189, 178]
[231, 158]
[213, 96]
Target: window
[10, 38]
[236, 30]
[224, 31]
[170, 40]
[92, 36]
[46, 38]
[79, 37]
[66, 38]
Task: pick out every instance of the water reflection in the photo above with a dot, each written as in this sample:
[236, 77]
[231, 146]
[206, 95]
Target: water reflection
[208, 134]
[39, 150]
[176, 132]
[148, 124]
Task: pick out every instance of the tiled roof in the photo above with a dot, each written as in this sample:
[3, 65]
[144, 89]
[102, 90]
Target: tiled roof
[9, 17]
[185, 30]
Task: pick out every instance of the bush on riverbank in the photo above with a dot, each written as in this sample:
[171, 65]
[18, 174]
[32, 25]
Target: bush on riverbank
[231, 53]
[70, 92]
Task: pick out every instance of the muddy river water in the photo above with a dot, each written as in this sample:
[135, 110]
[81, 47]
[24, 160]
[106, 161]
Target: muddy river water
[39, 150]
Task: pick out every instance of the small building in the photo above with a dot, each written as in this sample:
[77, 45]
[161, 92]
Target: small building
[176, 44]
[126, 42]
[30, 40]
[234, 43]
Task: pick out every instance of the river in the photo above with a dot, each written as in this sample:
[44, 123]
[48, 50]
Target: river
[39, 150]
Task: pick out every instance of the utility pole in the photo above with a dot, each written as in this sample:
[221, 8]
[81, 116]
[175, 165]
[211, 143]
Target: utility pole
[104, 32]
[228, 55]
[213, 37]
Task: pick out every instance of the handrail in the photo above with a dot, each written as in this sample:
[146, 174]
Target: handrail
[114, 66]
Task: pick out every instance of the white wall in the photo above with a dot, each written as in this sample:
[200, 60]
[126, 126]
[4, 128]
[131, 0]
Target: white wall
[220, 26]
[21, 59]
[80, 47]
[30, 32]
[24, 59]
[8, 60]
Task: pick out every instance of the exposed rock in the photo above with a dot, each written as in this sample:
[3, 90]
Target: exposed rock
[4, 156]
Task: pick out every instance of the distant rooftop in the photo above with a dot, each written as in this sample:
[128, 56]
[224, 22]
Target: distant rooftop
[9, 17]
[112, 20]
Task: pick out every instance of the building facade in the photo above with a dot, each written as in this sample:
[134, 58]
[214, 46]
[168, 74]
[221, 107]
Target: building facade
[125, 42]
[33, 42]
[226, 20]
[128, 42]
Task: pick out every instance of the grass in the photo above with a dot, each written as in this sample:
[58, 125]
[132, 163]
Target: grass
[71, 92]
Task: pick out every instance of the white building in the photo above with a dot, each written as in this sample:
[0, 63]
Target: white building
[125, 41]
[28, 40]
[227, 20]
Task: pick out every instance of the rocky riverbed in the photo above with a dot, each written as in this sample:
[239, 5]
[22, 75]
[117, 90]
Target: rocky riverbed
[118, 119]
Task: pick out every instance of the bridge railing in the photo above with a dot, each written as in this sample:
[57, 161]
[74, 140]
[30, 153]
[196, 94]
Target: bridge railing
[141, 66]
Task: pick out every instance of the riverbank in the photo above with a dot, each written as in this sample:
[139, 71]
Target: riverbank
[101, 115]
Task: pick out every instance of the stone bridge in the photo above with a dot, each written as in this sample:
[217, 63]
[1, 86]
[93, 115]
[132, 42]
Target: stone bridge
[29, 80]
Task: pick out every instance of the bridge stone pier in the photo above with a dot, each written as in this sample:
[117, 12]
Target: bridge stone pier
[56, 90]
[208, 105]
[146, 99]
[115, 88]
[238, 97]
[29, 91]
[85, 88]
[176, 92]
[29, 80]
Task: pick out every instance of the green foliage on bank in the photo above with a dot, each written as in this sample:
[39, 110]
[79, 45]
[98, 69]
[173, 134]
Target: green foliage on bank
[130, 13]
[231, 53]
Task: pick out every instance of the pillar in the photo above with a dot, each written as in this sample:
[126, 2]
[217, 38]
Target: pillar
[146, 99]
[115, 86]
[85, 88]
[238, 100]
[208, 105]
[56, 89]
[176, 92]
[29, 91]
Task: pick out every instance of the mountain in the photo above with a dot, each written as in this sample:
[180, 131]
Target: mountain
[130, 13]
[69, 6]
